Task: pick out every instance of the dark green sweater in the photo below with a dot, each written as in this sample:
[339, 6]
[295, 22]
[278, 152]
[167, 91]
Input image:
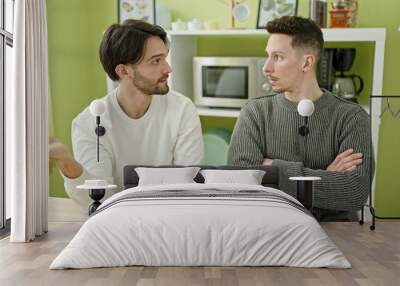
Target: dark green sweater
[268, 128]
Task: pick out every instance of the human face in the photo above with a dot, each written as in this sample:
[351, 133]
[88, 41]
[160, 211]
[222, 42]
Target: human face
[150, 75]
[284, 64]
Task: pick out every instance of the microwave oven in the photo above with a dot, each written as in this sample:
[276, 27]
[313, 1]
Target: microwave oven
[228, 81]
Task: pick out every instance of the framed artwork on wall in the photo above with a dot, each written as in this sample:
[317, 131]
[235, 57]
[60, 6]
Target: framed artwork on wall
[272, 9]
[136, 9]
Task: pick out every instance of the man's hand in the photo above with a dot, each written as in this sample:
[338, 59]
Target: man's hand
[267, 162]
[57, 150]
[346, 161]
[67, 164]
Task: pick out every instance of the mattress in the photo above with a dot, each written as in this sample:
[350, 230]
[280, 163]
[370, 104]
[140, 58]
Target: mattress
[201, 225]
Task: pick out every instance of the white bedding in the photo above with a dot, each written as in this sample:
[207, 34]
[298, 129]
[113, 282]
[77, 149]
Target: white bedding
[182, 231]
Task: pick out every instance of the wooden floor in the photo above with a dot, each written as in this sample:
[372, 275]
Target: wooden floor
[375, 256]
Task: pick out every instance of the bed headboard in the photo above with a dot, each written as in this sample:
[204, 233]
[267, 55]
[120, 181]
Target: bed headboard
[270, 179]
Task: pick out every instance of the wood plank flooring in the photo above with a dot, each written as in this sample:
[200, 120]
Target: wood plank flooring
[374, 255]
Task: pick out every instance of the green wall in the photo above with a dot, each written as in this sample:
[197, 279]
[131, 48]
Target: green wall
[75, 28]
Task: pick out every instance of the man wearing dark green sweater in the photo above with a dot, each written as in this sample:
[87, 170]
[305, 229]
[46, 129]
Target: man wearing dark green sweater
[339, 141]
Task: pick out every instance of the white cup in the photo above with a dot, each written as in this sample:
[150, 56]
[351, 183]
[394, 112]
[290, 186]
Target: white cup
[195, 25]
[211, 25]
[179, 25]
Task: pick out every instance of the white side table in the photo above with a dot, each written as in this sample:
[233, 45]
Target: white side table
[97, 189]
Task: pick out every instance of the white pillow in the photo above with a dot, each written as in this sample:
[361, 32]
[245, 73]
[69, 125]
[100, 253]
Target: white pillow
[165, 176]
[248, 177]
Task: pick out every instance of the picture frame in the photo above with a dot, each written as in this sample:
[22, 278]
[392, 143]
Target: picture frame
[137, 9]
[272, 9]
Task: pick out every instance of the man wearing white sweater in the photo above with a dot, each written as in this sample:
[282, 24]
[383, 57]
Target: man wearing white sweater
[145, 122]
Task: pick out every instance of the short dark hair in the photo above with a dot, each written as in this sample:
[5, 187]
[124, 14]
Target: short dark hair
[124, 44]
[305, 32]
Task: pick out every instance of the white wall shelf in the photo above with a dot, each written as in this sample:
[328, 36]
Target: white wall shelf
[330, 35]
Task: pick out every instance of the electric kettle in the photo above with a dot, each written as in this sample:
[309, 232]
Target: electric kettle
[348, 86]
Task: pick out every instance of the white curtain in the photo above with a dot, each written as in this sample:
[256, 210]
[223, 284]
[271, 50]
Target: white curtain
[27, 127]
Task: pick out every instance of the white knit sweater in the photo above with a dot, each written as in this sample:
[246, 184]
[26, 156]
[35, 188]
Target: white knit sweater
[168, 133]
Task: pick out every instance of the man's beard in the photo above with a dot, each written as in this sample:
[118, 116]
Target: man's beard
[147, 87]
[278, 90]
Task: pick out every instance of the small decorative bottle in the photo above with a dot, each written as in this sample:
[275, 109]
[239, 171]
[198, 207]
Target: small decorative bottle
[339, 14]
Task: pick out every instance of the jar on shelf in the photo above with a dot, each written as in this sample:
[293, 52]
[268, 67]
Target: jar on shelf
[352, 7]
[338, 14]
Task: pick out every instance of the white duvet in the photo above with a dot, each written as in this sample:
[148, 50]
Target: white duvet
[183, 231]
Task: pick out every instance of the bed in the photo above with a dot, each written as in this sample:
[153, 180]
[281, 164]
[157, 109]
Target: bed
[201, 224]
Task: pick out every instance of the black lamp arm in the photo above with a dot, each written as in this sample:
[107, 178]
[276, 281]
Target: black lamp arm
[100, 131]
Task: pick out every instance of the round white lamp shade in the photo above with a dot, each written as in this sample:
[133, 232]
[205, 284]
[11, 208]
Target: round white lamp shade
[97, 107]
[305, 107]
